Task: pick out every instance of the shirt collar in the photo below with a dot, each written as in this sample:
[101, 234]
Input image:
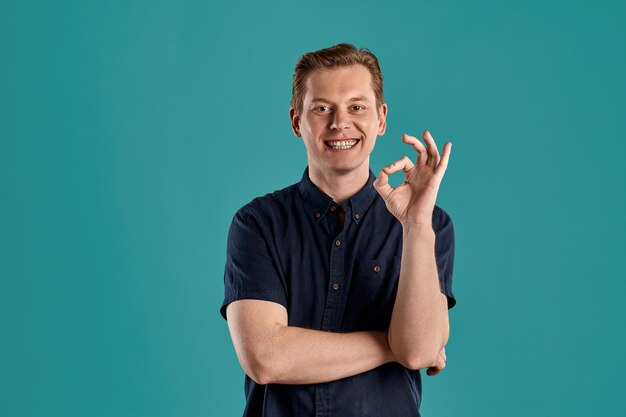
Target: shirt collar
[319, 202]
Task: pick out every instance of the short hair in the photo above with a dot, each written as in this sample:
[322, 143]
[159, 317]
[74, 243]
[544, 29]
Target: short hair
[340, 55]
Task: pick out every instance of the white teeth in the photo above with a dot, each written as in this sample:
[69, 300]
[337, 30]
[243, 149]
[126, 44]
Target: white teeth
[342, 144]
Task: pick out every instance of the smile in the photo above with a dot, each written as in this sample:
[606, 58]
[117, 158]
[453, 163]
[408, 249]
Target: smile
[341, 144]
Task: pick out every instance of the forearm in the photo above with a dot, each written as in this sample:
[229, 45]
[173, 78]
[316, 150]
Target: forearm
[419, 325]
[270, 351]
[303, 356]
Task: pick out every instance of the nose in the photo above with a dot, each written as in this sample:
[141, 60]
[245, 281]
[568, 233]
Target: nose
[340, 120]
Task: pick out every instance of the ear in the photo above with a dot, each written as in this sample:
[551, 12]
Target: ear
[295, 121]
[382, 119]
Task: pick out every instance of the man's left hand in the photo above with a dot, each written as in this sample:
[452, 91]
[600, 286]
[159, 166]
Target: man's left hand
[413, 202]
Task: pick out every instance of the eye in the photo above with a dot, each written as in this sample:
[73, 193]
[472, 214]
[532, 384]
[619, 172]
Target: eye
[322, 109]
[358, 107]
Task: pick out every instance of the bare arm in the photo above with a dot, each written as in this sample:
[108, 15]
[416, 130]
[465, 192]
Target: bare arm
[271, 352]
[419, 327]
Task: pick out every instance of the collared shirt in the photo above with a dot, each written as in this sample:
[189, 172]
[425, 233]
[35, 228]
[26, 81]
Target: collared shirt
[289, 247]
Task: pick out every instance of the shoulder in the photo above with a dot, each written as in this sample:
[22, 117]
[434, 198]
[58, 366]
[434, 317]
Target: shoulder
[269, 205]
[262, 218]
[441, 218]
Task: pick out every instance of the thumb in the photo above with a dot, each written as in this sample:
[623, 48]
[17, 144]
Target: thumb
[382, 185]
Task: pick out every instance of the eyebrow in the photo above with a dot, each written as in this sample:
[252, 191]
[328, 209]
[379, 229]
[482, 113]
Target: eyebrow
[360, 98]
[325, 100]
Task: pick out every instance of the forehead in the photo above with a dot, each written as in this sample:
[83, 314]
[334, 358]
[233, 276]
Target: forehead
[339, 84]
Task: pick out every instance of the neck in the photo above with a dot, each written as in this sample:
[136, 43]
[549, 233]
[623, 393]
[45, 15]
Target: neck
[340, 185]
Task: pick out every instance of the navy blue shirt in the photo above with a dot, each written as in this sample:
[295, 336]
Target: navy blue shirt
[289, 247]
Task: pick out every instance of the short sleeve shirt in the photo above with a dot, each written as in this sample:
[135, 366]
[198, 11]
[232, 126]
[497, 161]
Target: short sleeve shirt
[289, 247]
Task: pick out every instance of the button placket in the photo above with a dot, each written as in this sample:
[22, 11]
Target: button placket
[332, 308]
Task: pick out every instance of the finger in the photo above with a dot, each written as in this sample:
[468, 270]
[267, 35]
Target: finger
[439, 364]
[422, 153]
[445, 157]
[434, 370]
[403, 164]
[441, 358]
[433, 152]
[382, 184]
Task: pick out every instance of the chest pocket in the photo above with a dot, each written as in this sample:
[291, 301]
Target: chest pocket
[373, 292]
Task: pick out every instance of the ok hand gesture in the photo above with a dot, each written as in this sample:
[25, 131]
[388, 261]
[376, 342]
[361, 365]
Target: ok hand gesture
[413, 201]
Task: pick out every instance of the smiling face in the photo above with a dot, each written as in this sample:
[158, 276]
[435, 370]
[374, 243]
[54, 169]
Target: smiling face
[339, 121]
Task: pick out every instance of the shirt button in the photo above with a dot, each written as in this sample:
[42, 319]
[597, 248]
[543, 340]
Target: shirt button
[335, 286]
[377, 268]
[337, 242]
[318, 215]
[357, 216]
[333, 208]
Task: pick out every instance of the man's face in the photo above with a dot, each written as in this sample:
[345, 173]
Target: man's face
[339, 121]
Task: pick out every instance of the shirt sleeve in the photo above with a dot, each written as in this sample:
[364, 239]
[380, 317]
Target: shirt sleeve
[251, 272]
[444, 252]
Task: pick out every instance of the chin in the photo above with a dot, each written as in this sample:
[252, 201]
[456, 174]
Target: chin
[342, 169]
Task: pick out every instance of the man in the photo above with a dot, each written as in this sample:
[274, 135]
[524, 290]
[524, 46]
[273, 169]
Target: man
[337, 288]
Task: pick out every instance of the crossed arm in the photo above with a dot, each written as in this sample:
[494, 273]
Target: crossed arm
[271, 351]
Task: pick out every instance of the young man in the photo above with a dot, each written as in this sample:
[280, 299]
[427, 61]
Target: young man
[337, 288]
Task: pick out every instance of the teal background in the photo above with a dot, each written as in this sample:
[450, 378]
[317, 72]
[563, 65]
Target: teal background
[132, 131]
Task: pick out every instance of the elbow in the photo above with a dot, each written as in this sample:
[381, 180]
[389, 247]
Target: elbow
[262, 370]
[416, 356]
[415, 360]
[260, 376]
